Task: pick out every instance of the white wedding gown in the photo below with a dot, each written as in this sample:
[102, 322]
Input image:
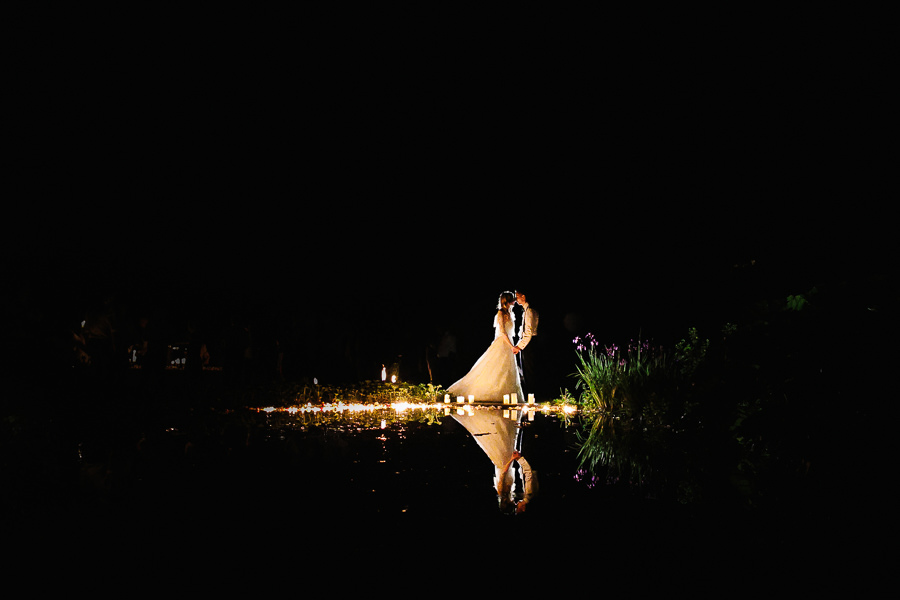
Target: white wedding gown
[495, 373]
[495, 434]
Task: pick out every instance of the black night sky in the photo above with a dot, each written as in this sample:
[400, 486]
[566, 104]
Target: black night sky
[362, 192]
[387, 250]
[366, 203]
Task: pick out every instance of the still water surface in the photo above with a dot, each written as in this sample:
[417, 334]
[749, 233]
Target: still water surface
[415, 462]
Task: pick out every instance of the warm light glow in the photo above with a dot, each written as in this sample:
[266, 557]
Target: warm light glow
[393, 379]
[340, 406]
[383, 373]
[404, 409]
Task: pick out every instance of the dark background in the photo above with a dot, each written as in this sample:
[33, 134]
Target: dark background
[349, 187]
[363, 195]
[375, 274]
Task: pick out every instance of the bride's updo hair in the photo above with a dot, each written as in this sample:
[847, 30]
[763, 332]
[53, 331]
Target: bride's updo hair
[506, 301]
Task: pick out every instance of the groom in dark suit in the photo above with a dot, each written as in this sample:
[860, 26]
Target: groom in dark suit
[527, 338]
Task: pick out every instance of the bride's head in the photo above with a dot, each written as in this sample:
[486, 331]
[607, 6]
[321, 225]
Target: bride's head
[504, 306]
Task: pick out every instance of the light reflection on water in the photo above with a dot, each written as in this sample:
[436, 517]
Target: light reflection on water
[380, 415]
[401, 458]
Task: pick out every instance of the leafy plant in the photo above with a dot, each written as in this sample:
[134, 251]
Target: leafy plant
[798, 302]
[691, 352]
[569, 406]
[625, 400]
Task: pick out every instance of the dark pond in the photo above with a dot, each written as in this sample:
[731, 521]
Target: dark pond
[417, 465]
[345, 467]
[244, 480]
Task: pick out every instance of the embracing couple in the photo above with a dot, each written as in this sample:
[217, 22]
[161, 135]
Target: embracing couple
[507, 367]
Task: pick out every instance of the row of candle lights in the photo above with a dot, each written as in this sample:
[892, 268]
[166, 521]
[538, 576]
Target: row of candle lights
[461, 409]
[466, 410]
[397, 406]
[507, 399]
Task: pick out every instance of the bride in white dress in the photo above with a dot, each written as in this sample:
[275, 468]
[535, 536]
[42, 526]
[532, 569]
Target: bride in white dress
[494, 374]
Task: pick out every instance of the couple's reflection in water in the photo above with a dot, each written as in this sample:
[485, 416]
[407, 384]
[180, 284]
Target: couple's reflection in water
[498, 432]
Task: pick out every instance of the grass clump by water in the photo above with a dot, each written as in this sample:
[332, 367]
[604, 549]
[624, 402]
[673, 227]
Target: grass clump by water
[628, 400]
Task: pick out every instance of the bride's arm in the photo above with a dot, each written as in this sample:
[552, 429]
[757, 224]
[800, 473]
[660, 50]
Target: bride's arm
[508, 341]
[503, 334]
[506, 467]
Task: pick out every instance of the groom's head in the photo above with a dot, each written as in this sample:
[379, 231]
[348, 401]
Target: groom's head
[520, 296]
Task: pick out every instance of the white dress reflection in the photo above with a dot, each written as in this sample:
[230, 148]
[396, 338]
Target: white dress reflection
[499, 437]
[495, 373]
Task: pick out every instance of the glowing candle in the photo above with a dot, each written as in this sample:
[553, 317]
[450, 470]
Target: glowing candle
[530, 398]
[505, 398]
[446, 397]
[383, 373]
[459, 399]
[471, 399]
[513, 399]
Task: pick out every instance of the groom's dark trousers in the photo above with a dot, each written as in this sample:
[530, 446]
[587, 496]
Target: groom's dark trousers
[528, 358]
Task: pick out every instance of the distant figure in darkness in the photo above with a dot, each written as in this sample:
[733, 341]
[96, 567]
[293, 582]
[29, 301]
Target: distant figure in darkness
[99, 334]
[446, 357]
[198, 356]
[528, 338]
[235, 352]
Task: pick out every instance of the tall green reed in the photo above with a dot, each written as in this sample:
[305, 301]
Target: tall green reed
[613, 381]
[624, 400]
